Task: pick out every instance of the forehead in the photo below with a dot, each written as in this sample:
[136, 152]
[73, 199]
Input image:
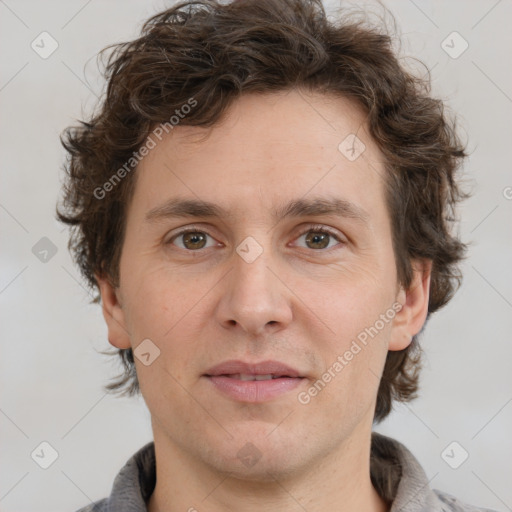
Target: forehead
[279, 120]
[264, 147]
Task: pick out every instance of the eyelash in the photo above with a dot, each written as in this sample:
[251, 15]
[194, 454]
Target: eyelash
[313, 228]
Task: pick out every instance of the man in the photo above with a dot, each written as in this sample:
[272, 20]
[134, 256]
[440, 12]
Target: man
[262, 202]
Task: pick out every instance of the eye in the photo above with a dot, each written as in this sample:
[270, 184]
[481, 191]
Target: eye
[319, 238]
[191, 240]
[316, 238]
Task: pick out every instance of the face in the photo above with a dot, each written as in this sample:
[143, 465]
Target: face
[290, 263]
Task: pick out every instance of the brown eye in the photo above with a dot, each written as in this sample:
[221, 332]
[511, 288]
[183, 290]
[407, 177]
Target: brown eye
[194, 240]
[190, 240]
[318, 239]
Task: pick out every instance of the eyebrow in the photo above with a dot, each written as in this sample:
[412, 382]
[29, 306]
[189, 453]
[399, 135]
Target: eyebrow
[196, 208]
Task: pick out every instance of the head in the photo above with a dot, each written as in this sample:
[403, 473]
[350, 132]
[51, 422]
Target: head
[253, 106]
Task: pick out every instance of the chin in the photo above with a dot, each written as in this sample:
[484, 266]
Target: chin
[255, 455]
[262, 470]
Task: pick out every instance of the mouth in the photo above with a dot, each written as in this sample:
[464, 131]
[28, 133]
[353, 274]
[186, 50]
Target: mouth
[249, 377]
[263, 369]
[253, 382]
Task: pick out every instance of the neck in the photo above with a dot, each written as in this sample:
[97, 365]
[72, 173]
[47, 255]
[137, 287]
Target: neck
[343, 477]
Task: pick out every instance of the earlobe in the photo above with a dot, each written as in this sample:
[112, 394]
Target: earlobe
[113, 313]
[410, 319]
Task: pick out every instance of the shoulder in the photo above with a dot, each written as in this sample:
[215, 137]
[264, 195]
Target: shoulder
[450, 503]
[132, 486]
[401, 479]
[98, 506]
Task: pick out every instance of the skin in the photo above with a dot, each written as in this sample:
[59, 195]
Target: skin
[297, 303]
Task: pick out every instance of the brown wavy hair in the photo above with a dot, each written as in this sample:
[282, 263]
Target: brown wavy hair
[214, 52]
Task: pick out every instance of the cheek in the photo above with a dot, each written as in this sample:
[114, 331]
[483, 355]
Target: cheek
[350, 298]
[348, 386]
[170, 309]
[160, 301]
[355, 314]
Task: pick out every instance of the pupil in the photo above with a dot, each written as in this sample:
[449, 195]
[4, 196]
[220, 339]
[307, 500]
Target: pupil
[197, 240]
[318, 238]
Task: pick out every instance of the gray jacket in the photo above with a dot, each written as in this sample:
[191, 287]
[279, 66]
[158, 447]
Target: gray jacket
[395, 473]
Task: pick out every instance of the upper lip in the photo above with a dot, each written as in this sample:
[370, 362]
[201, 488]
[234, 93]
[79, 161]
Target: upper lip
[234, 367]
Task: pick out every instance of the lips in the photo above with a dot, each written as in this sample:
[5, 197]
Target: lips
[253, 382]
[264, 369]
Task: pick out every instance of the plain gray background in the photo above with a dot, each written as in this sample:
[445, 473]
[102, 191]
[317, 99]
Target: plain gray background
[51, 374]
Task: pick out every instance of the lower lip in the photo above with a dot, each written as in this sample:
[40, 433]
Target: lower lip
[254, 390]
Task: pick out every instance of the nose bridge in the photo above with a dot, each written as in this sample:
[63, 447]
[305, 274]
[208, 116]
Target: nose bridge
[251, 270]
[254, 299]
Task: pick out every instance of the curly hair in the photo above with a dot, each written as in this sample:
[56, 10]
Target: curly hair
[208, 53]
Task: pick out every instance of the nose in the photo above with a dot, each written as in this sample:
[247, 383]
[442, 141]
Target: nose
[254, 299]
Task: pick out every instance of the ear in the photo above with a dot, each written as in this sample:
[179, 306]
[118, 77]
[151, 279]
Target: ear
[410, 319]
[113, 313]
